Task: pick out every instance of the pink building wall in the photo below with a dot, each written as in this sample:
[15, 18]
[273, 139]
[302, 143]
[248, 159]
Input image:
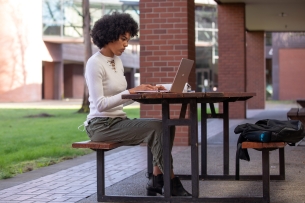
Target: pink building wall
[291, 74]
[20, 58]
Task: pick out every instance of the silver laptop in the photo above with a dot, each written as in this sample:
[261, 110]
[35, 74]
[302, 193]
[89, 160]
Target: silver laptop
[180, 79]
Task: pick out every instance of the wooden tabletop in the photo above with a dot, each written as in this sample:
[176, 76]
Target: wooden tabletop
[200, 96]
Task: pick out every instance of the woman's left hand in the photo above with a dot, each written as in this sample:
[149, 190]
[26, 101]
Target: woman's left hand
[145, 87]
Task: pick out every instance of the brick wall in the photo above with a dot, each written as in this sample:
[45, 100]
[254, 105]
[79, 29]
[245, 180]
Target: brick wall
[256, 77]
[232, 62]
[167, 34]
[291, 74]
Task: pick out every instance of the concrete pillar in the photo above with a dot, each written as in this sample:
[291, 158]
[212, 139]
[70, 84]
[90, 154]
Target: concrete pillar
[53, 80]
[58, 84]
[54, 71]
[167, 35]
[132, 78]
[48, 75]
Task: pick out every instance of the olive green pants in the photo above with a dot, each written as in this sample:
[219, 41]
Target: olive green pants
[131, 132]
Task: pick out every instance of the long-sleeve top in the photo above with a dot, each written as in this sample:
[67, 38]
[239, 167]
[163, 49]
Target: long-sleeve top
[106, 84]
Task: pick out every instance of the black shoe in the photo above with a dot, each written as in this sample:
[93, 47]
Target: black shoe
[154, 185]
[177, 188]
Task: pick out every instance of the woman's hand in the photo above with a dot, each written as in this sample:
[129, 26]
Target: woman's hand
[146, 87]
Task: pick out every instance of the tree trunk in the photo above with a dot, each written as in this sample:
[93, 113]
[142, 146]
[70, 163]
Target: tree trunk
[88, 52]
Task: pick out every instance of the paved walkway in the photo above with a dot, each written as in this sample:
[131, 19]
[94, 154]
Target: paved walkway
[76, 183]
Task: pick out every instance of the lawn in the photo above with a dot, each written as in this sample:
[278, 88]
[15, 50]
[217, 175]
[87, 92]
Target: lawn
[34, 138]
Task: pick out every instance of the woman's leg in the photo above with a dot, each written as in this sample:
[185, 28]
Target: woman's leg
[134, 132]
[131, 132]
[127, 131]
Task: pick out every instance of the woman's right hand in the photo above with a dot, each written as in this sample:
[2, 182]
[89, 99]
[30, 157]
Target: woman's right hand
[145, 87]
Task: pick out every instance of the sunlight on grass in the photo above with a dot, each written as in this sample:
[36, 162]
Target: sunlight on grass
[33, 142]
[34, 138]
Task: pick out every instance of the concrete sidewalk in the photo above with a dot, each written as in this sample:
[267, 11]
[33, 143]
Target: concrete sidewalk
[75, 180]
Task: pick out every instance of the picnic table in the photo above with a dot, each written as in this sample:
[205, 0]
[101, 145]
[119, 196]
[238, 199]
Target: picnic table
[192, 99]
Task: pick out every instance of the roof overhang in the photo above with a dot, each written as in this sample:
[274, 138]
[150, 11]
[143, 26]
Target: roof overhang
[62, 40]
[273, 15]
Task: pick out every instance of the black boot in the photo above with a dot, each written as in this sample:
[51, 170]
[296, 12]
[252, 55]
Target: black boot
[177, 188]
[154, 185]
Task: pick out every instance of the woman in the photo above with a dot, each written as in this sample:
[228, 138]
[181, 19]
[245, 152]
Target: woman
[107, 122]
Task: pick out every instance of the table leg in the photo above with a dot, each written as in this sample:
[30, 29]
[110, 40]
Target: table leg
[183, 110]
[282, 163]
[204, 117]
[194, 148]
[226, 138]
[266, 175]
[149, 161]
[212, 107]
[166, 148]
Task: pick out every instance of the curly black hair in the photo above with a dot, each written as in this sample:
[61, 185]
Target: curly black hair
[109, 28]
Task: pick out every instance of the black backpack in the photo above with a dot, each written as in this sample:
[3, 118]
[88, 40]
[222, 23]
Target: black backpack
[269, 130]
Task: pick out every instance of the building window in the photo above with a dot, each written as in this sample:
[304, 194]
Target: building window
[268, 38]
[206, 41]
[64, 17]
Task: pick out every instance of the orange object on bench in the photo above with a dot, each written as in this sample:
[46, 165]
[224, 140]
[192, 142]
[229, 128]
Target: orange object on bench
[262, 145]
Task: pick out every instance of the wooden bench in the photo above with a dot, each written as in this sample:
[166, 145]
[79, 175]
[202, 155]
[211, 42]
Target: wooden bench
[96, 145]
[100, 148]
[265, 148]
[297, 114]
[301, 102]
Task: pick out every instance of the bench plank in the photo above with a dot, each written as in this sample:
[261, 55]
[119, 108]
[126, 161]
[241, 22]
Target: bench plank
[96, 145]
[297, 114]
[293, 112]
[301, 115]
[262, 145]
[301, 112]
[301, 102]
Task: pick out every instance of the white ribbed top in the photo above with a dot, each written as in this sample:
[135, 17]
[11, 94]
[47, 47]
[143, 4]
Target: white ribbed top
[106, 85]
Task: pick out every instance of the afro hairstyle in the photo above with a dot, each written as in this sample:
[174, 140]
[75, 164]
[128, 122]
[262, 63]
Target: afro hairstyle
[109, 28]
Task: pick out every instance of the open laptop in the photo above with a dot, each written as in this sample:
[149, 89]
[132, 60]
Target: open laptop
[180, 79]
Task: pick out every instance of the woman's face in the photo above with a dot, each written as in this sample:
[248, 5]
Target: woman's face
[118, 47]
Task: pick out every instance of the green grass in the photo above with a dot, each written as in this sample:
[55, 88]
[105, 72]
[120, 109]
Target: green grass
[34, 138]
[28, 143]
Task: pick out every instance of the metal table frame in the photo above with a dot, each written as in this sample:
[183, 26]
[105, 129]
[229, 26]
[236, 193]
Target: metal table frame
[191, 99]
